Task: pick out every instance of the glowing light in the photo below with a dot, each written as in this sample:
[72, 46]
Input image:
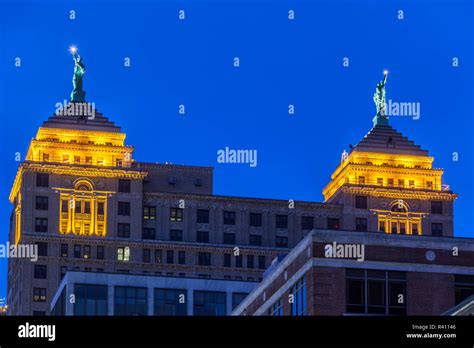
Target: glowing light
[385, 72]
[72, 49]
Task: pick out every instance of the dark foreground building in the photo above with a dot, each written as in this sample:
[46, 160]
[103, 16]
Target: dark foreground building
[121, 237]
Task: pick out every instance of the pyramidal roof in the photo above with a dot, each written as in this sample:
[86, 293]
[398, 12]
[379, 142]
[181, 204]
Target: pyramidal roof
[81, 116]
[385, 139]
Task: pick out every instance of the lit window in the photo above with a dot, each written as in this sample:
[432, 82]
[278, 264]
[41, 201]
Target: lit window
[65, 158]
[361, 180]
[123, 254]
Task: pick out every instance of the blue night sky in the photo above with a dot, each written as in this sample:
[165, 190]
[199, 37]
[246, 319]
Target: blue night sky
[283, 62]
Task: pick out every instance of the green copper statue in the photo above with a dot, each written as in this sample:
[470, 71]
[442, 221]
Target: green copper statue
[380, 103]
[78, 94]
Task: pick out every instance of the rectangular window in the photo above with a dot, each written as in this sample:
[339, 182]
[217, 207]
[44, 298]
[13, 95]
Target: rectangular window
[123, 230]
[170, 256]
[436, 207]
[209, 303]
[124, 208]
[229, 238]
[39, 294]
[42, 248]
[146, 255]
[123, 254]
[361, 202]
[77, 159]
[124, 185]
[149, 213]
[88, 160]
[65, 158]
[63, 271]
[176, 214]
[227, 260]
[77, 251]
[250, 261]
[381, 226]
[170, 302]
[158, 256]
[298, 306]
[87, 252]
[429, 184]
[361, 224]
[176, 235]
[463, 287]
[90, 299]
[41, 203]
[437, 229]
[390, 182]
[307, 223]
[204, 259]
[281, 242]
[255, 240]
[181, 257]
[238, 261]
[41, 225]
[394, 228]
[202, 216]
[402, 228]
[45, 157]
[229, 218]
[375, 292]
[203, 236]
[361, 180]
[411, 183]
[100, 208]
[281, 221]
[100, 252]
[276, 309]
[39, 271]
[148, 233]
[64, 250]
[414, 229]
[261, 262]
[255, 219]
[130, 301]
[333, 224]
[237, 298]
[380, 181]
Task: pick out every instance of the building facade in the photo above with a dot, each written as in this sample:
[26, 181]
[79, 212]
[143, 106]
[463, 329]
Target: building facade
[94, 212]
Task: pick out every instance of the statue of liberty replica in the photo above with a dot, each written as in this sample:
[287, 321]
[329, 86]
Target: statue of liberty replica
[381, 117]
[77, 95]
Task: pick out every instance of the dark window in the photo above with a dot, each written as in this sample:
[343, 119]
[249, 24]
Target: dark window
[203, 236]
[204, 259]
[307, 223]
[361, 202]
[250, 261]
[209, 303]
[255, 240]
[124, 208]
[63, 271]
[123, 230]
[41, 225]
[255, 219]
[148, 233]
[463, 287]
[237, 298]
[298, 306]
[261, 262]
[375, 292]
[182, 257]
[124, 185]
[276, 309]
[87, 252]
[39, 294]
[281, 221]
[361, 224]
[100, 208]
[170, 302]
[176, 214]
[149, 213]
[437, 229]
[333, 223]
[176, 235]
[436, 207]
[229, 238]
[281, 242]
[77, 251]
[40, 271]
[42, 248]
[100, 252]
[64, 250]
[146, 255]
[238, 261]
[42, 180]
[202, 216]
[130, 301]
[90, 299]
[229, 218]
[41, 203]
[170, 256]
[158, 256]
[227, 260]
